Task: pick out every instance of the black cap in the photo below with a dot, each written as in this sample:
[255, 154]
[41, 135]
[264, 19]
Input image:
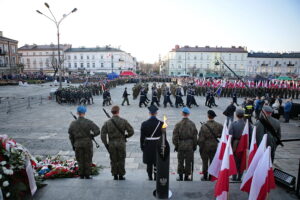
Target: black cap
[211, 113]
[152, 109]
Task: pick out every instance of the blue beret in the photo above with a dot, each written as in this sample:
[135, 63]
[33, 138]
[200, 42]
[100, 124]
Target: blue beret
[152, 109]
[81, 109]
[186, 110]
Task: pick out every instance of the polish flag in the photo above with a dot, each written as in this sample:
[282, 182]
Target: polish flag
[247, 180]
[253, 146]
[263, 177]
[216, 163]
[242, 148]
[228, 168]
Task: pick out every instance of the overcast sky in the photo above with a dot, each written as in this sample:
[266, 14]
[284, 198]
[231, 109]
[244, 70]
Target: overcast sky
[147, 28]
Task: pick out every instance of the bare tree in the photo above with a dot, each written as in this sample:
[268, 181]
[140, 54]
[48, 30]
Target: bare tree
[54, 63]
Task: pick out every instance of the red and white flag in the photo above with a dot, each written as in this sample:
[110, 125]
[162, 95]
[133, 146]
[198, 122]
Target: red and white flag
[253, 146]
[228, 168]
[263, 177]
[247, 180]
[216, 163]
[242, 148]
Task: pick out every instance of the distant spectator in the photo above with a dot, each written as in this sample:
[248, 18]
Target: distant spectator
[276, 106]
[229, 113]
[287, 109]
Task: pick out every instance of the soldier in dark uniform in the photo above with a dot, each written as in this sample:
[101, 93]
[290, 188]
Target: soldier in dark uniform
[81, 140]
[114, 138]
[234, 98]
[106, 98]
[193, 100]
[143, 98]
[208, 141]
[178, 100]
[167, 98]
[185, 142]
[125, 97]
[155, 97]
[150, 134]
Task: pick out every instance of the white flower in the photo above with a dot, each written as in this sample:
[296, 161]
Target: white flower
[5, 183]
[7, 194]
[3, 162]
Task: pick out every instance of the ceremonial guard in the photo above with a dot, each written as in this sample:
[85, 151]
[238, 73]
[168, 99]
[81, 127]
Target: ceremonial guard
[185, 142]
[234, 98]
[81, 140]
[208, 141]
[178, 100]
[155, 97]
[125, 97]
[143, 98]
[150, 134]
[236, 130]
[193, 100]
[114, 138]
[167, 98]
[266, 124]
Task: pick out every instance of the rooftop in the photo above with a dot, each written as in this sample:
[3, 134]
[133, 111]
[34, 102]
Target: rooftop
[274, 55]
[35, 47]
[93, 49]
[232, 49]
[7, 39]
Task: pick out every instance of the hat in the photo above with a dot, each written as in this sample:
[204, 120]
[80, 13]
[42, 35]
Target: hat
[152, 109]
[268, 109]
[186, 110]
[81, 109]
[115, 109]
[211, 113]
[240, 112]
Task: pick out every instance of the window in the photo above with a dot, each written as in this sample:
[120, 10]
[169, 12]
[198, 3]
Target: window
[179, 57]
[93, 65]
[69, 57]
[75, 57]
[88, 57]
[75, 65]
[258, 62]
[81, 57]
[250, 61]
[179, 66]
[33, 53]
[70, 65]
[41, 53]
[101, 56]
[81, 65]
[102, 65]
[195, 57]
[88, 65]
[207, 57]
[93, 57]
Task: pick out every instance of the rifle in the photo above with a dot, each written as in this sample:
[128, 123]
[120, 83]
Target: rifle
[96, 143]
[106, 113]
[264, 114]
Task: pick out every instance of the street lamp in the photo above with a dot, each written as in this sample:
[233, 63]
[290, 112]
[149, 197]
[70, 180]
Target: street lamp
[57, 23]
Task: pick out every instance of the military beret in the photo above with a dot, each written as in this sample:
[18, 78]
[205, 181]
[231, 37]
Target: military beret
[186, 110]
[152, 109]
[115, 109]
[211, 113]
[268, 109]
[81, 109]
[240, 112]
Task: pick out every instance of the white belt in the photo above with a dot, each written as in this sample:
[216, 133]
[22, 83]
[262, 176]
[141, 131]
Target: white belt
[152, 138]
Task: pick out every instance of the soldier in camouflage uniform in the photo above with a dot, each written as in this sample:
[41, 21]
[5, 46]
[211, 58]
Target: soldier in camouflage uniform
[81, 140]
[208, 142]
[114, 138]
[185, 142]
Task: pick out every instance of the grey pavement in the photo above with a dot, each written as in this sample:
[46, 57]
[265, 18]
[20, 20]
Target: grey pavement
[43, 127]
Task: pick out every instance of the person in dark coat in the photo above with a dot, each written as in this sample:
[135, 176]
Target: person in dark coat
[229, 113]
[150, 135]
[143, 98]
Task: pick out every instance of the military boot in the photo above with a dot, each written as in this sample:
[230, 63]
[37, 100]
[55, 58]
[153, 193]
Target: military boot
[121, 178]
[116, 177]
[180, 177]
[187, 178]
[204, 177]
[150, 177]
[155, 176]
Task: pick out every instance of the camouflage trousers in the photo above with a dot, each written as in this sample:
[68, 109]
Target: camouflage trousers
[117, 153]
[84, 157]
[207, 158]
[185, 159]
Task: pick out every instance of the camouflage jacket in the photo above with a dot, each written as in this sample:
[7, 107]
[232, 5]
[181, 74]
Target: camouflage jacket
[110, 132]
[80, 132]
[185, 135]
[207, 141]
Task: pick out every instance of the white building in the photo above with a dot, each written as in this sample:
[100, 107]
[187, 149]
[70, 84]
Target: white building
[200, 61]
[42, 58]
[99, 59]
[273, 63]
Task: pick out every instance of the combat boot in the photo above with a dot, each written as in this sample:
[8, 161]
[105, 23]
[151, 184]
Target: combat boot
[150, 177]
[187, 178]
[155, 176]
[121, 178]
[116, 177]
[180, 177]
[204, 177]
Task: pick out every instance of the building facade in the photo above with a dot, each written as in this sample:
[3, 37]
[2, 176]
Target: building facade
[273, 64]
[41, 58]
[99, 59]
[200, 61]
[9, 58]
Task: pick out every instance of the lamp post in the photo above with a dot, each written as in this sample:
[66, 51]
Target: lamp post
[57, 23]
